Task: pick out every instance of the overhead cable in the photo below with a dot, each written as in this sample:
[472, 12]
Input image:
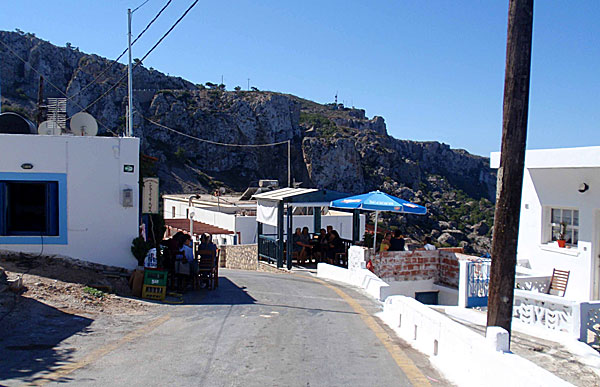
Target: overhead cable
[46, 79]
[213, 142]
[124, 51]
[144, 57]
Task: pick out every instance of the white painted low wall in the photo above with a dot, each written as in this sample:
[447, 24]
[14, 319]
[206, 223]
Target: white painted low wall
[464, 356]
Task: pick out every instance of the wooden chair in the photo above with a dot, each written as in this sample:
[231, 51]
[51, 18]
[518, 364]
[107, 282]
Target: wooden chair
[174, 280]
[559, 281]
[207, 267]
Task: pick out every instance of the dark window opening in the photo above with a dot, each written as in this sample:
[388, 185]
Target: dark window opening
[31, 208]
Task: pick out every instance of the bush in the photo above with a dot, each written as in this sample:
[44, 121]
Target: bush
[139, 249]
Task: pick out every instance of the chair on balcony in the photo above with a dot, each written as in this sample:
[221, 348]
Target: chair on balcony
[558, 283]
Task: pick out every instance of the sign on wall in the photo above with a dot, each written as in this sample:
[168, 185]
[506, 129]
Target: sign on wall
[150, 196]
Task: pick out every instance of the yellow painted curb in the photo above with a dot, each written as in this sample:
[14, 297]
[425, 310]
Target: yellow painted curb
[414, 375]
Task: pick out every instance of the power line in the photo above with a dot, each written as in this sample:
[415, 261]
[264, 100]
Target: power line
[46, 79]
[145, 56]
[124, 51]
[213, 142]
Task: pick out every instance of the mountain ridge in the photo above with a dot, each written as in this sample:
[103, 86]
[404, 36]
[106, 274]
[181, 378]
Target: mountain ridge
[332, 146]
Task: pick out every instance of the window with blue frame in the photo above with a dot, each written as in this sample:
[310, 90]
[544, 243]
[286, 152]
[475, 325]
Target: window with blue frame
[33, 208]
[29, 208]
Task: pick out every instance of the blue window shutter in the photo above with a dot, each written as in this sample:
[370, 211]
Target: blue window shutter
[52, 208]
[3, 208]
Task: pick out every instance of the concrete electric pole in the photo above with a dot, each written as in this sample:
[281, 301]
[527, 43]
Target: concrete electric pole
[512, 159]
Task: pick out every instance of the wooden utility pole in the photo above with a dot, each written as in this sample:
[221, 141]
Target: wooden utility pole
[512, 159]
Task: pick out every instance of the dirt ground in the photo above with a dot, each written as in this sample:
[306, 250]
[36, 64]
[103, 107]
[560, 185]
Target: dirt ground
[60, 283]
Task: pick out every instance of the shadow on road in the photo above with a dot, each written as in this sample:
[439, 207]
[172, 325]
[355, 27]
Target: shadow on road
[228, 293]
[29, 338]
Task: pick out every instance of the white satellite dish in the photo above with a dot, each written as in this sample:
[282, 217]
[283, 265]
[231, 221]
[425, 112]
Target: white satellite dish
[83, 124]
[49, 128]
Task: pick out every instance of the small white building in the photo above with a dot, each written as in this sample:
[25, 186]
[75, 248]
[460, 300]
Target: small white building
[71, 196]
[231, 213]
[562, 185]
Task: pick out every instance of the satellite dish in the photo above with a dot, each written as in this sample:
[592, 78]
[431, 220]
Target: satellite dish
[49, 128]
[83, 124]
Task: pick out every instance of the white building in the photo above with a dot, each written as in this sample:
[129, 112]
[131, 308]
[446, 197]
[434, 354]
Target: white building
[562, 185]
[70, 196]
[239, 216]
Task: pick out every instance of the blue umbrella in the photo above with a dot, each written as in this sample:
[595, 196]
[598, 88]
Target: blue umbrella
[378, 201]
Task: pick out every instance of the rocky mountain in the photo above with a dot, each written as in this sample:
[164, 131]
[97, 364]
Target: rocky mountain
[332, 146]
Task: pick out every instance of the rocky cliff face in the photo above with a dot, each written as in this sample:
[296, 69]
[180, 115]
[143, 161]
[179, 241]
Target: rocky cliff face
[331, 146]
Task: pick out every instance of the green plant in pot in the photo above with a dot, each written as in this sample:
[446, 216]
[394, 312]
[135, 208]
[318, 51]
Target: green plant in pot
[139, 249]
[562, 235]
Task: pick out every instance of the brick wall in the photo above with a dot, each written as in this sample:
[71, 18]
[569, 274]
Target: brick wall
[244, 257]
[448, 268]
[438, 265]
[407, 265]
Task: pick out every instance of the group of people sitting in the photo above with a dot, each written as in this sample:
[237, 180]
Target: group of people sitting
[321, 247]
[179, 256]
[397, 242]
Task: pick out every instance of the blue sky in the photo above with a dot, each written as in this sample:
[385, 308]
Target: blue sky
[433, 69]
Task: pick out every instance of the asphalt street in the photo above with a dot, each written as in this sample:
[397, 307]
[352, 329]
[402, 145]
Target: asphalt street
[256, 329]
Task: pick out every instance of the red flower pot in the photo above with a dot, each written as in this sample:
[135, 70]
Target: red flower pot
[561, 242]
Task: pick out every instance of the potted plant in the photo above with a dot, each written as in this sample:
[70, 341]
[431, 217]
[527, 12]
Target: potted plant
[562, 233]
[139, 249]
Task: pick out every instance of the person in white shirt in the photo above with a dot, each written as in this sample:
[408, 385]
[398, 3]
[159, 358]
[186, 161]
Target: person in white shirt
[428, 245]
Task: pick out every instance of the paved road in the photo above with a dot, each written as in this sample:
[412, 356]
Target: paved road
[257, 329]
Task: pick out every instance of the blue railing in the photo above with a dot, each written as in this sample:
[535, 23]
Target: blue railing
[267, 248]
[478, 281]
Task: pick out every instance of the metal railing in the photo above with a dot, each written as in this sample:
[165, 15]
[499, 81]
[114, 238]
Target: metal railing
[267, 247]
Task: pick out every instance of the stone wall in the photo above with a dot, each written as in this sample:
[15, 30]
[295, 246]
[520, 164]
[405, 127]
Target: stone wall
[244, 257]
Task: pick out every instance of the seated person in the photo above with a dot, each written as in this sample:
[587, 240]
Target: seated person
[306, 251]
[189, 254]
[386, 242]
[297, 243]
[397, 242]
[207, 244]
[335, 246]
[320, 248]
[428, 245]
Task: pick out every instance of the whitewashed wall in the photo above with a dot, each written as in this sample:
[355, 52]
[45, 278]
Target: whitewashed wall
[99, 228]
[551, 179]
[558, 188]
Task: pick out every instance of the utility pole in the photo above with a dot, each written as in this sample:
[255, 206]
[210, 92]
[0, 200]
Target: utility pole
[40, 102]
[129, 79]
[512, 159]
[289, 149]
[248, 84]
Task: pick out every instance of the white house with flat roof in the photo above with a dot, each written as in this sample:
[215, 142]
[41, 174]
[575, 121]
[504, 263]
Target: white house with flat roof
[562, 185]
[70, 195]
[239, 216]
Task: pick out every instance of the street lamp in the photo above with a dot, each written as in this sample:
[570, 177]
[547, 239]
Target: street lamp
[191, 214]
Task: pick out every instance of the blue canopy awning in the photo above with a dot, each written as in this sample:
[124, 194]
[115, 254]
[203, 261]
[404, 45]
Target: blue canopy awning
[379, 201]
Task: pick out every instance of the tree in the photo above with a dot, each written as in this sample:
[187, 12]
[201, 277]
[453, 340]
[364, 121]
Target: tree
[254, 88]
[237, 88]
[222, 86]
[69, 45]
[211, 85]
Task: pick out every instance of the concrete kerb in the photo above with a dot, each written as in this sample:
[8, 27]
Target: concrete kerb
[464, 356]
